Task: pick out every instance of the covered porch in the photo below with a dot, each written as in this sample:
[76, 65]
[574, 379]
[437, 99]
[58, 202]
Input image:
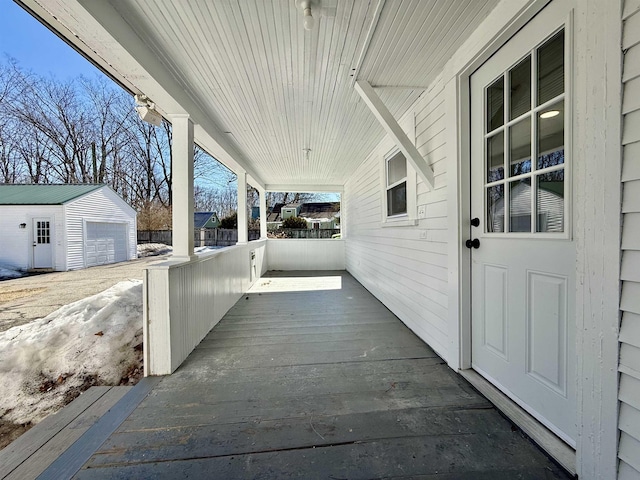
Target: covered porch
[309, 376]
[398, 107]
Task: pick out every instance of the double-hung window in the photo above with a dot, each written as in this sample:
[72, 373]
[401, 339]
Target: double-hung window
[396, 178]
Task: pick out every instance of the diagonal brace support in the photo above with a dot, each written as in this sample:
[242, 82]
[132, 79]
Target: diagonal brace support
[394, 130]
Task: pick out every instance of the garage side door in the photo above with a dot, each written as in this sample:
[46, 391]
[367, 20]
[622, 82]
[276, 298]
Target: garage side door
[105, 243]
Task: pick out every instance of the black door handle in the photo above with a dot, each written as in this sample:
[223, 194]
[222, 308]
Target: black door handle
[475, 243]
[475, 222]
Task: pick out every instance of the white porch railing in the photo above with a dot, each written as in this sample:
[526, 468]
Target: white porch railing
[184, 300]
[305, 254]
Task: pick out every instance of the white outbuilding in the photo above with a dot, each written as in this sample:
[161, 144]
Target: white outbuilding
[64, 227]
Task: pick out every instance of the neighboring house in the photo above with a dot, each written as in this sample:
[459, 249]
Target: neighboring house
[290, 210]
[205, 220]
[64, 227]
[274, 217]
[319, 215]
[419, 113]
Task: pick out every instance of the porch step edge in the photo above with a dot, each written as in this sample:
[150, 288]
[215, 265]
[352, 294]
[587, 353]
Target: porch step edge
[72, 460]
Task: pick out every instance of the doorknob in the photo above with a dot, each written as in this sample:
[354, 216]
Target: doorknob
[475, 222]
[475, 243]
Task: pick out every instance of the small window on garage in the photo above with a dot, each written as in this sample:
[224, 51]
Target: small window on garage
[396, 177]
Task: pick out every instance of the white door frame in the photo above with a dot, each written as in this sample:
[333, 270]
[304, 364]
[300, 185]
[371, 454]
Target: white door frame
[596, 417]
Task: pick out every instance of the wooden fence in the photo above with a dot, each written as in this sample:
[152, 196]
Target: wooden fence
[308, 232]
[206, 237]
[222, 237]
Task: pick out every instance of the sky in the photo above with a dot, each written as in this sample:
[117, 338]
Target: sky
[36, 48]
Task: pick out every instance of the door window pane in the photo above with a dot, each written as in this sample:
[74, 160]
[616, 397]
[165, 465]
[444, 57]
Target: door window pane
[551, 68]
[397, 199]
[495, 208]
[43, 232]
[495, 157]
[551, 136]
[520, 88]
[520, 205]
[520, 147]
[495, 105]
[550, 202]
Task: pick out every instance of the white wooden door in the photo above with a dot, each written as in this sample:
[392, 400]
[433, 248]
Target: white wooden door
[42, 247]
[523, 269]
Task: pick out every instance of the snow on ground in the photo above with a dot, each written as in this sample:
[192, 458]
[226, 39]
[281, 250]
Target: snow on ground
[153, 249]
[7, 273]
[46, 363]
[205, 249]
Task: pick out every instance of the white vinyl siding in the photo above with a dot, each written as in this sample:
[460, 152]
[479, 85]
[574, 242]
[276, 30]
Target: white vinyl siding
[629, 393]
[100, 206]
[405, 267]
[17, 243]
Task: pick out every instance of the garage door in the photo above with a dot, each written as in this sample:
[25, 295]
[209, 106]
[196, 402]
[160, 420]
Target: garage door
[105, 243]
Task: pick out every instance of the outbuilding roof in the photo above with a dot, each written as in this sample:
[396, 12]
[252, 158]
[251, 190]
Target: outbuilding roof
[43, 194]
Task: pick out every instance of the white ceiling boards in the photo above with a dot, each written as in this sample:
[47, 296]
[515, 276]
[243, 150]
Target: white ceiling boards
[260, 87]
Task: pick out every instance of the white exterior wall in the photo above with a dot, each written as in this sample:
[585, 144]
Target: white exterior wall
[629, 393]
[305, 254]
[185, 300]
[16, 243]
[102, 205]
[405, 267]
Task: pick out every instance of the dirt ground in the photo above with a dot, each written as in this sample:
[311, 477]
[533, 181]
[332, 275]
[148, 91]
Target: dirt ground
[25, 299]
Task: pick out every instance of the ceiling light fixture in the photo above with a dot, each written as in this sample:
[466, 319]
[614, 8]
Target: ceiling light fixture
[306, 153]
[308, 21]
[550, 114]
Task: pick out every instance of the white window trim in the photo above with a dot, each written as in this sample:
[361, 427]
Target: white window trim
[408, 219]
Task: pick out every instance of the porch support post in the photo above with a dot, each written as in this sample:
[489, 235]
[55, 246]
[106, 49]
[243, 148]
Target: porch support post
[242, 208]
[263, 213]
[394, 130]
[182, 186]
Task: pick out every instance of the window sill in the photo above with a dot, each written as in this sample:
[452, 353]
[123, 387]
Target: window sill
[403, 222]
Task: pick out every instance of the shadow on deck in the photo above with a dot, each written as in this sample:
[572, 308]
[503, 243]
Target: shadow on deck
[309, 376]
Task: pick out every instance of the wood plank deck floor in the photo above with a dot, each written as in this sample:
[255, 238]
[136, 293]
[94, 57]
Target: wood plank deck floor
[34, 451]
[315, 384]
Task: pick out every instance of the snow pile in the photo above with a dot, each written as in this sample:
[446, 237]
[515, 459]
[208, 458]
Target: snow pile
[46, 363]
[7, 273]
[153, 249]
[206, 249]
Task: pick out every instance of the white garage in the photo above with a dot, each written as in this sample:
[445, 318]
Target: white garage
[64, 227]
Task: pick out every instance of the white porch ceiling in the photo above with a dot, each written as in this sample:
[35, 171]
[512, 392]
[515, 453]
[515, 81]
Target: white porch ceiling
[255, 76]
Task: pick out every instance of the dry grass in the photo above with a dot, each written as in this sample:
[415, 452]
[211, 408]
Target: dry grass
[12, 295]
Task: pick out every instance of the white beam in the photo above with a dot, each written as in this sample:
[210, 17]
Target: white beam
[263, 213]
[243, 235]
[284, 187]
[182, 186]
[394, 130]
[367, 41]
